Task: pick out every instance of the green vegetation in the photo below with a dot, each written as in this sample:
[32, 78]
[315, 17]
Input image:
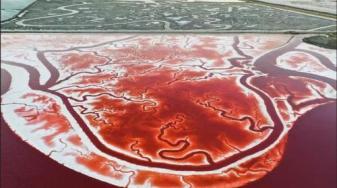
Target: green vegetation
[325, 41]
[161, 16]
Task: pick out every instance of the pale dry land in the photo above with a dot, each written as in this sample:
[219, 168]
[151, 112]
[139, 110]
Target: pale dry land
[327, 6]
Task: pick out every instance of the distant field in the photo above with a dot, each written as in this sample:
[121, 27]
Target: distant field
[93, 15]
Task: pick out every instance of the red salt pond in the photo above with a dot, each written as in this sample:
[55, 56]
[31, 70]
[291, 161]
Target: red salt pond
[163, 110]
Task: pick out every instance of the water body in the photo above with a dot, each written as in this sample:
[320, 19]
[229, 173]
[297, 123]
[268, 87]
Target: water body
[10, 8]
[310, 158]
